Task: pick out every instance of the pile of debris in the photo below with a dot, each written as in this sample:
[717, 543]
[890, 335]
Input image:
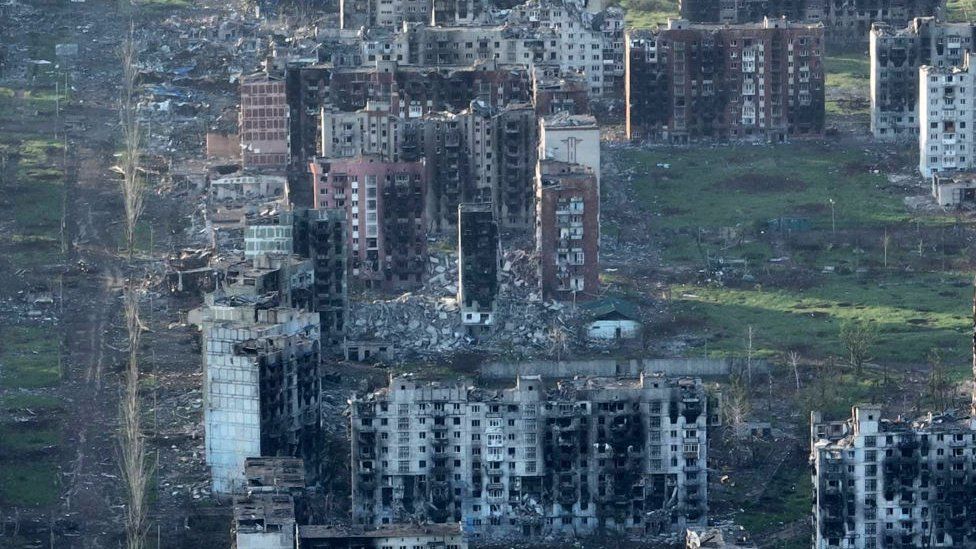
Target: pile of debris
[427, 323]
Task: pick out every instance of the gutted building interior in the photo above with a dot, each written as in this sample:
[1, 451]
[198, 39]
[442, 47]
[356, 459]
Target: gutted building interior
[537, 459]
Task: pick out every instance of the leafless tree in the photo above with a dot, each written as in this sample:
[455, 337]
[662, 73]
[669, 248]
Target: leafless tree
[735, 404]
[794, 358]
[858, 339]
[134, 462]
[558, 341]
[133, 184]
[939, 386]
[885, 242]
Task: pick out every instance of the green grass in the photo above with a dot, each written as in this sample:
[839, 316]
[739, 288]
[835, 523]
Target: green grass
[717, 186]
[787, 498]
[911, 315]
[851, 71]
[36, 403]
[642, 14]
[28, 482]
[960, 11]
[28, 357]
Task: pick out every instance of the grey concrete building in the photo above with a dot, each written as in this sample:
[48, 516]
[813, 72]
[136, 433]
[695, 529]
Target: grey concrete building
[896, 55]
[536, 459]
[893, 483]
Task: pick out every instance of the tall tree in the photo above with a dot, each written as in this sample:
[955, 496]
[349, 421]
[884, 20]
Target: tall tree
[858, 339]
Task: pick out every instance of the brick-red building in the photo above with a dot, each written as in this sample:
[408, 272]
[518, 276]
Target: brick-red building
[750, 81]
[568, 230]
[384, 205]
[263, 122]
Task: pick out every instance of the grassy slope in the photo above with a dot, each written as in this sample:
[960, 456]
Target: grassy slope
[723, 186]
[28, 353]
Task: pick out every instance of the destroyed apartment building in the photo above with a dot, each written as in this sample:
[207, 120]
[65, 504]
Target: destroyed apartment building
[946, 141]
[896, 56]
[846, 22]
[274, 514]
[757, 81]
[568, 230]
[384, 207]
[319, 235]
[893, 483]
[263, 122]
[479, 255]
[261, 385]
[577, 457]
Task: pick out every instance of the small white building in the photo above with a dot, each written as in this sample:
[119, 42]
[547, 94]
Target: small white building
[954, 189]
[612, 319]
[573, 138]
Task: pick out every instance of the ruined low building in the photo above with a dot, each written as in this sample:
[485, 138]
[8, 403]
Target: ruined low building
[401, 536]
[479, 256]
[247, 187]
[568, 231]
[896, 55]
[893, 483]
[753, 81]
[261, 386]
[384, 204]
[946, 122]
[263, 122]
[954, 189]
[264, 521]
[537, 459]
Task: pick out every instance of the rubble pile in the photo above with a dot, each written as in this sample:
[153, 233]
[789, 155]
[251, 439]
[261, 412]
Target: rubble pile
[428, 322]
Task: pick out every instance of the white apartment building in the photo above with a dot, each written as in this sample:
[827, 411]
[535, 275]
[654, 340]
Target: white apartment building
[946, 115]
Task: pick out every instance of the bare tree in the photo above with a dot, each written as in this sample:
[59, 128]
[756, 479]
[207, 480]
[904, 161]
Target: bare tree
[558, 341]
[794, 359]
[735, 404]
[885, 242]
[135, 466]
[133, 184]
[858, 339]
[939, 386]
[749, 354]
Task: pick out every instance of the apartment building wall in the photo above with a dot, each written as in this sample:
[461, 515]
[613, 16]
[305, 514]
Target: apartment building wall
[320, 234]
[880, 483]
[533, 460]
[761, 81]
[567, 230]
[846, 22]
[263, 122]
[554, 91]
[896, 55]
[261, 387]
[384, 205]
[571, 138]
[372, 131]
[478, 264]
[946, 119]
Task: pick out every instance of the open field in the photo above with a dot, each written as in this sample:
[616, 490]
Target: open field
[713, 206]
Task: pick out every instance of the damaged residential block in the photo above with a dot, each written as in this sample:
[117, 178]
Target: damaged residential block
[945, 138]
[568, 230]
[384, 204]
[261, 386]
[478, 259]
[576, 457]
[846, 22]
[759, 81]
[893, 483]
[263, 131]
[896, 55]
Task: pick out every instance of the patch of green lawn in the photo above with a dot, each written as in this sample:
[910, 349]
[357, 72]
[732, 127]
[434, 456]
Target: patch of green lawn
[28, 482]
[910, 314]
[28, 357]
[643, 14]
[732, 185]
